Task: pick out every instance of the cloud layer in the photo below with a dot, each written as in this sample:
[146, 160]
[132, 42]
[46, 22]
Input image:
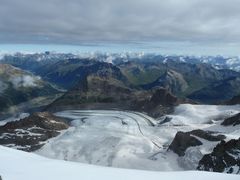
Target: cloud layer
[75, 21]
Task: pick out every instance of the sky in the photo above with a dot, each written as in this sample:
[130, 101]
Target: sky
[181, 26]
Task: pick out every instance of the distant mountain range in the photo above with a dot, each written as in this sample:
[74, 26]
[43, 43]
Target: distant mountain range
[219, 62]
[188, 77]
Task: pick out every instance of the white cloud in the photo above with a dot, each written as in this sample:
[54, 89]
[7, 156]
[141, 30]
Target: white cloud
[24, 81]
[74, 21]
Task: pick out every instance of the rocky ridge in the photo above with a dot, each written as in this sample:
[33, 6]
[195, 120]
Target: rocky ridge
[31, 133]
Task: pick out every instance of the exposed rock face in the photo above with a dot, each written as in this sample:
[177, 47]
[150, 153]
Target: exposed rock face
[163, 97]
[29, 134]
[184, 140]
[207, 135]
[224, 158]
[234, 120]
[157, 103]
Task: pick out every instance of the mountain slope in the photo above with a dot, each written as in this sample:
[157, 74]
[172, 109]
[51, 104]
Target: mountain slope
[218, 91]
[182, 79]
[67, 73]
[171, 80]
[18, 86]
[111, 91]
[31, 133]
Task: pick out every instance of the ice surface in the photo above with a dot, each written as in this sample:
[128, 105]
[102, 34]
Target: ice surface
[110, 138]
[129, 139]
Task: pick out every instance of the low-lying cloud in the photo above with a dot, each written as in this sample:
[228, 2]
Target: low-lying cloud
[24, 81]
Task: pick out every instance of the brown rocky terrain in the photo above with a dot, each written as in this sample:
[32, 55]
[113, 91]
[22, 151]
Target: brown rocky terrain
[30, 133]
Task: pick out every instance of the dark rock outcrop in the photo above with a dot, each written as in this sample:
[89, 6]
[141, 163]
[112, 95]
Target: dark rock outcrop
[158, 102]
[29, 134]
[163, 97]
[184, 140]
[234, 120]
[224, 158]
[207, 135]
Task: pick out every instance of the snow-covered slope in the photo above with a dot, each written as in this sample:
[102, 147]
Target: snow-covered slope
[191, 115]
[18, 165]
[205, 117]
[207, 122]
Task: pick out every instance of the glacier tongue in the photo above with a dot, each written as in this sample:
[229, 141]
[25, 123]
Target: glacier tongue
[134, 140]
[111, 138]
